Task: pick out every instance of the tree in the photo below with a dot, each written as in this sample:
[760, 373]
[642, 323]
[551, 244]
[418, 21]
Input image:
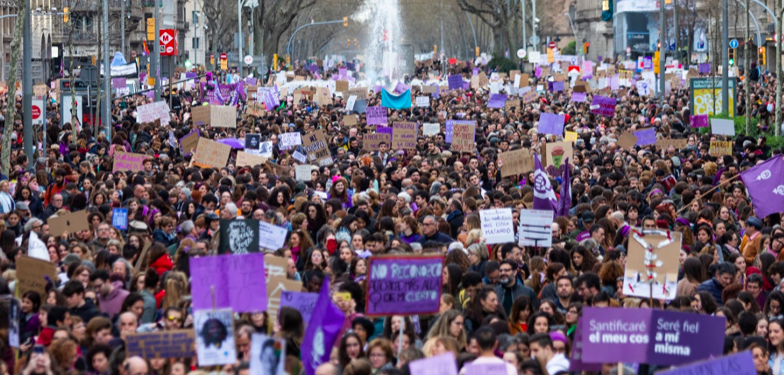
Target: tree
[10, 115]
[221, 20]
[502, 18]
[272, 19]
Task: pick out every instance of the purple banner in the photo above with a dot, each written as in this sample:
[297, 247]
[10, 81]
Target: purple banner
[603, 106]
[304, 302]
[234, 278]
[403, 285]
[190, 75]
[376, 115]
[579, 97]
[450, 126]
[576, 361]
[455, 82]
[656, 337]
[538, 72]
[736, 364]
[270, 97]
[251, 81]
[645, 137]
[699, 121]
[118, 83]
[496, 101]
[550, 123]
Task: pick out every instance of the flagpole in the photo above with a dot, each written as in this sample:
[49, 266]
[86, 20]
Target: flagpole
[710, 191]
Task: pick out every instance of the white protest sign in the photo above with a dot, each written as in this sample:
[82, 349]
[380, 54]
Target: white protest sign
[497, 225]
[350, 103]
[303, 172]
[423, 101]
[721, 126]
[154, 111]
[430, 128]
[535, 228]
[290, 140]
[271, 237]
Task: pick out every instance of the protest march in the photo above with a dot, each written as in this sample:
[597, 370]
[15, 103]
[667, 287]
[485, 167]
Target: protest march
[562, 218]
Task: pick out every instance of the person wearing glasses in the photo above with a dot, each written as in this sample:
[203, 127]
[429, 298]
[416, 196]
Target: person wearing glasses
[430, 231]
[171, 320]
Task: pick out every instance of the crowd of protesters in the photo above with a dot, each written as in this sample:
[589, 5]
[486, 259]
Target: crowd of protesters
[499, 303]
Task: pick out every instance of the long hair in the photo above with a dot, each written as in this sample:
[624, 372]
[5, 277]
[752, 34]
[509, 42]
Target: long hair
[441, 328]
[343, 357]
[176, 287]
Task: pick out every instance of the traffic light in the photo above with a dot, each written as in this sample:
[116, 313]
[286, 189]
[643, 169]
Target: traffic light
[586, 48]
[348, 42]
[345, 21]
[435, 49]
[761, 56]
[477, 51]
[355, 42]
[732, 56]
[67, 15]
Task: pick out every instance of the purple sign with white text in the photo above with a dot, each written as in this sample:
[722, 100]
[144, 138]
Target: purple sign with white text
[376, 115]
[656, 337]
[603, 106]
[404, 285]
[455, 82]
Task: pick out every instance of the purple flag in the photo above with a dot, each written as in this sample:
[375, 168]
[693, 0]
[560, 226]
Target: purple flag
[314, 68]
[544, 196]
[496, 101]
[765, 183]
[566, 192]
[323, 330]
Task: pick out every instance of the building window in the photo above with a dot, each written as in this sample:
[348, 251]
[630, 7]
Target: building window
[195, 43]
[83, 24]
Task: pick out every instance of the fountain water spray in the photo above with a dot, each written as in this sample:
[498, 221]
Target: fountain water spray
[381, 56]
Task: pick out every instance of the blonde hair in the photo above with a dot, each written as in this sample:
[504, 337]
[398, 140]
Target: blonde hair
[176, 288]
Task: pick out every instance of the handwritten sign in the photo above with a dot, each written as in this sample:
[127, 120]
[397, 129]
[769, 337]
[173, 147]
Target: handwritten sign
[276, 285]
[189, 142]
[153, 111]
[666, 143]
[718, 148]
[403, 285]
[463, 137]
[211, 154]
[528, 95]
[376, 115]
[316, 146]
[31, 275]
[431, 128]
[304, 302]
[535, 228]
[126, 161]
[72, 222]
[162, 344]
[271, 237]
[603, 106]
[239, 236]
[645, 137]
[513, 104]
[516, 162]
[235, 279]
[423, 101]
[373, 141]
[289, 140]
[497, 225]
[302, 172]
[223, 116]
[246, 159]
[404, 135]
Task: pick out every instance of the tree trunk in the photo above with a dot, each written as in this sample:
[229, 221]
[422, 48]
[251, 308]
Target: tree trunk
[5, 156]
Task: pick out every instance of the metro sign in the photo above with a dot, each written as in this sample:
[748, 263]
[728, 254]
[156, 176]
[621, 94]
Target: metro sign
[167, 41]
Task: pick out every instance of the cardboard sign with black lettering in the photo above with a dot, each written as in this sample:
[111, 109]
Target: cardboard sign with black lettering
[516, 162]
[316, 146]
[211, 154]
[71, 222]
[31, 275]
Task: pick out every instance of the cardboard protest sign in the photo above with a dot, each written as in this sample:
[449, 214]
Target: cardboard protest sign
[153, 111]
[359, 92]
[656, 337]
[603, 106]
[535, 228]
[211, 154]
[463, 137]
[42, 90]
[341, 87]
[275, 287]
[223, 116]
[497, 225]
[302, 172]
[239, 236]
[214, 337]
[733, 364]
[161, 344]
[404, 135]
[31, 274]
[666, 143]
[71, 222]
[528, 95]
[289, 140]
[373, 141]
[245, 159]
[718, 148]
[516, 162]
[350, 120]
[550, 123]
[303, 302]
[233, 277]
[626, 140]
[645, 137]
[189, 142]
[316, 146]
[554, 154]
[423, 101]
[323, 96]
[444, 364]
[201, 115]
[663, 268]
[722, 126]
[450, 124]
[513, 104]
[403, 285]
[431, 128]
[127, 161]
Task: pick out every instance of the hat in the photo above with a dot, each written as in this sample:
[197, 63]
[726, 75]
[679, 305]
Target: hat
[138, 225]
[588, 216]
[558, 336]
[754, 222]
[22, 206]
[186, 191]
[210, 217]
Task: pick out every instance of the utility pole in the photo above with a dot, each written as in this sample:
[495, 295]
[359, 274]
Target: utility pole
[534, 23]
[122, 27]
[107, 74]
[27, 83]
[747, 64]
[525, 41]
[677, 30]
[239, 30]
[725, 45]
[780, 24]
[662, 43]
[156, 55]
